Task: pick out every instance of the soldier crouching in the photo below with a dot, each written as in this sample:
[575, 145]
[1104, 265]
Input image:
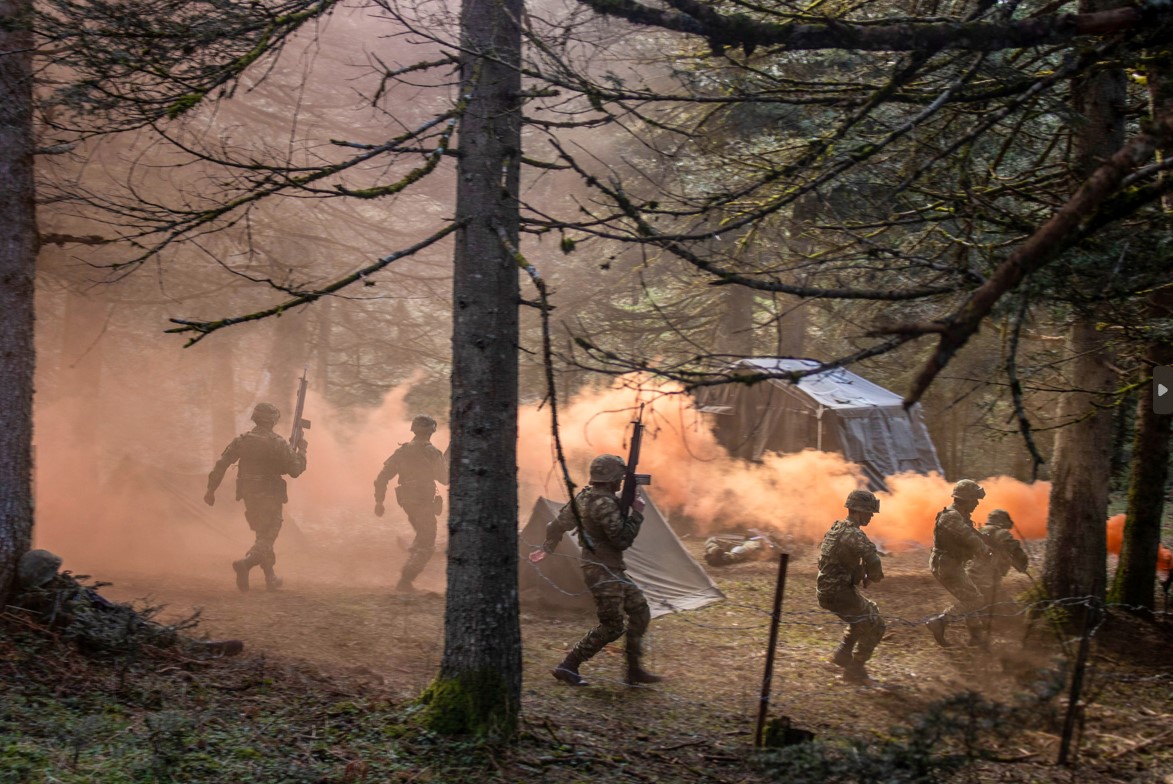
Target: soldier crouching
[848, 559]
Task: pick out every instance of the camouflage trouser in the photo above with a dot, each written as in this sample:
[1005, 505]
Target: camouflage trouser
[970, 601]
[263, 513]
[865, 627]
[615, 595]
[423, 521]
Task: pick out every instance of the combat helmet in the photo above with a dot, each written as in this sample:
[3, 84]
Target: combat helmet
[36, 568]
[607, 468]
[968, 490]
[423, 424]
[999, 518]
[266, 413]
[862, 501]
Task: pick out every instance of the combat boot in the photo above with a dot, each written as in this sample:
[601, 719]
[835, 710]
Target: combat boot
[272, 581]
[937, 625]
[567, 671]
[637, 675]
[842, 656]
[856, 672]
[242, 568]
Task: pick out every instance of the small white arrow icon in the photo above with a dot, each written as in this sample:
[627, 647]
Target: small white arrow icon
[1161, 390]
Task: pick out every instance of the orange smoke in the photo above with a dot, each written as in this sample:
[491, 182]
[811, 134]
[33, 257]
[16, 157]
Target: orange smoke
[1115, 533]
[1116, 541]
[798, 494]
[122, 504]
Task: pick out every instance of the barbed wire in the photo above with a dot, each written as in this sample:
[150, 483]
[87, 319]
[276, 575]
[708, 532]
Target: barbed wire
[1011, 609]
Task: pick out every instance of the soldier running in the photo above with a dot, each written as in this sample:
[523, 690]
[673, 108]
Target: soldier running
[1005, 551]
[604, 534]
[848, 560]
[264, 457]
[955, 543]
[419, 465]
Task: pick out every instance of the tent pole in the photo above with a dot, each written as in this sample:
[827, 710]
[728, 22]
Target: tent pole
[819, 429]
[764, 702]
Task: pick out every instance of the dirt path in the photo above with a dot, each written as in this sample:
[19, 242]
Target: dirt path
[713, 658]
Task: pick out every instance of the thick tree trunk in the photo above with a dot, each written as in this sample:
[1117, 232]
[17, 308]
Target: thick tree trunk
[18, 241]
[478, 690]
[1077, 548]
[1076, 553]
[1137, 570]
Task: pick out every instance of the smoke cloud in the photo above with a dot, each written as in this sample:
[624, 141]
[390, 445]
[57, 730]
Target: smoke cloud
[118, 502]
[797, 495]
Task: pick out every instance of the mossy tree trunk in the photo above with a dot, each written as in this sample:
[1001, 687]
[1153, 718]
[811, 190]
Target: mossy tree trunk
[478, 690]
[1137, 570]
[1077, 548]
[18, 244]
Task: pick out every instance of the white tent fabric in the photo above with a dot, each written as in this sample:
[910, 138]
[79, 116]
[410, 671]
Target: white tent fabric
[834, 411]
[658, 563]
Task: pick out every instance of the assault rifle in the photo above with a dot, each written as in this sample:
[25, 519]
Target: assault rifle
[299, 424]
[632, 480]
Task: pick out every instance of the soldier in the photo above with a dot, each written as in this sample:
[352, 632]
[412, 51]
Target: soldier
[604, 534]
[264, 457]
[955, 542]
[848, 559]
[419, 466]
[1005, 551]
[722, 550]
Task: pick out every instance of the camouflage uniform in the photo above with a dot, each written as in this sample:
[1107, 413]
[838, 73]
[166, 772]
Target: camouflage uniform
[724, 550]
[419, 465]
[603, 534]
[263, 458]
[846, 559]
[955, 542]
[1005, 551]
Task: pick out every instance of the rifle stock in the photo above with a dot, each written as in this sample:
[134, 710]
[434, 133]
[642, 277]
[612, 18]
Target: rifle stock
[299, 424]
[631, 479]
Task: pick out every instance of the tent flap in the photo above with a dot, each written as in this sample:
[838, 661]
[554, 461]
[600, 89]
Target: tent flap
[832, 411]
[670, 578]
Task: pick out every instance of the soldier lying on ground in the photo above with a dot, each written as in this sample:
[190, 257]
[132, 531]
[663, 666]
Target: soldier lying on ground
[725, 549]
[62, 603]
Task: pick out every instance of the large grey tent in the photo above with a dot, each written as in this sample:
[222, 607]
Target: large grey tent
[658, 563]
[832, 411]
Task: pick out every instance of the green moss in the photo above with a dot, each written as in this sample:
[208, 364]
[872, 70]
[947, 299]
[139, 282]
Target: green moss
[183, 104]
[477, 703]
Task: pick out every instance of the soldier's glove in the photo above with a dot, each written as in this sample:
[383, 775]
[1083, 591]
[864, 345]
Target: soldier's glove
[378, 510]
[210, 498]
[303, 445]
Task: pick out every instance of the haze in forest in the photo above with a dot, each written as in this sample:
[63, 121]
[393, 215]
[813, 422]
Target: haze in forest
[122, 494]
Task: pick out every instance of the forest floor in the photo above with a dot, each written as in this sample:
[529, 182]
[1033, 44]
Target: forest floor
[325, 691]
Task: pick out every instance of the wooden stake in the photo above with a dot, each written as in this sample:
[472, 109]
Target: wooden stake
[775, 619]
